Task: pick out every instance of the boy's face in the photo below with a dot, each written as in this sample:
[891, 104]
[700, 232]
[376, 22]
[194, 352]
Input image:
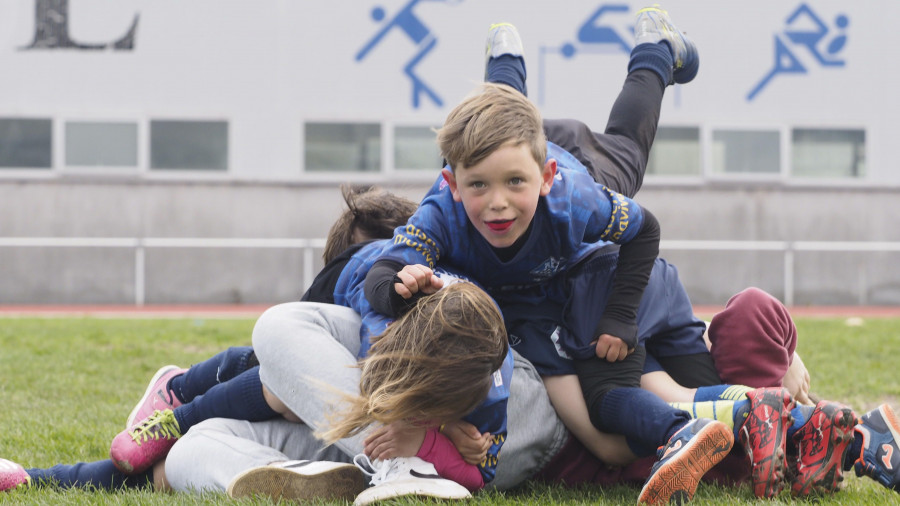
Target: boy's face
[500, 194]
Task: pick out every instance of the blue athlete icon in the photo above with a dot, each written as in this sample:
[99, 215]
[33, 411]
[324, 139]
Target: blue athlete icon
[805, 30]
[407, 22]
[607, 30]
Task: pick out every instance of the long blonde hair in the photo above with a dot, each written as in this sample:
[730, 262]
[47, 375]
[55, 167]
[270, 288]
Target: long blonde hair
[433, 365]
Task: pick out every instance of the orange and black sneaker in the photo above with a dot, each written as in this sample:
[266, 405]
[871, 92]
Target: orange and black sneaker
[689, 454]
[879, 456]
[764, 436]
[821, 444]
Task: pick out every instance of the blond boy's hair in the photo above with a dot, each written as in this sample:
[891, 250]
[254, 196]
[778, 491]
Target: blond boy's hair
[494, 116]
[434, 364]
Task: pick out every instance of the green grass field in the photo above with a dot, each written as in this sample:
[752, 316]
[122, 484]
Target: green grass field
[67, 385]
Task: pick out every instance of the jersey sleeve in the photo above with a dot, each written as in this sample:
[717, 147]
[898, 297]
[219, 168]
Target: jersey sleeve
[490, 416]
[422, 239]
[624, 217]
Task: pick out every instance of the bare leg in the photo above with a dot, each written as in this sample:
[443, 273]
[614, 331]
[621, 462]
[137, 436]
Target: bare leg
[566, 397]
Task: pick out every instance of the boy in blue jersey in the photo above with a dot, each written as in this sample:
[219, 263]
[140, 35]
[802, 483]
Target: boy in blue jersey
[531, 229]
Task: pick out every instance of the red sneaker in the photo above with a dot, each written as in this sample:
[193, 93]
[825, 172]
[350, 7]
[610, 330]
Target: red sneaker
[821, 444]
[157, 397]
[134, 450]
[763, 436]
[12, 475]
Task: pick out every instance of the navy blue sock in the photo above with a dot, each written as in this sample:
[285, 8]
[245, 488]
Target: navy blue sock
[740, 411]
[509, 70]
[646, 421]
[653, 56]
[853, 451]
[101, 474]
[205, 375]
[801, 414]
[240, 398]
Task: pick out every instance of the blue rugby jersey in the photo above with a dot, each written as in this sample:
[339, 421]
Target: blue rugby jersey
[578, 216]
[490, 415]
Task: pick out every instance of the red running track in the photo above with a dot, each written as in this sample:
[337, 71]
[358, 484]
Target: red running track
[253, 311]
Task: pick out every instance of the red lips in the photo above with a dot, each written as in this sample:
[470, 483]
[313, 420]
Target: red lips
[499, 225]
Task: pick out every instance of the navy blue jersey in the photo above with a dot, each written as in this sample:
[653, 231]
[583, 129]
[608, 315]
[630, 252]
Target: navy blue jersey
[578, 216]
[490, 415]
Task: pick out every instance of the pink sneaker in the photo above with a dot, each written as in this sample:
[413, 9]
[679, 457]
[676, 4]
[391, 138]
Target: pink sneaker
[134, 450]
[12, 475]
[157, 397]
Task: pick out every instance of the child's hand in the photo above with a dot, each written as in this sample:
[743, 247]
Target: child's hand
[417, 278]
[395, 440]
[797, 381]
[470, 443]
[611, 348]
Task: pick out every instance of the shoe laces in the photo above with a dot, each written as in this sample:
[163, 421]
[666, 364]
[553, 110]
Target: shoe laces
[381, 471]
[161, 424]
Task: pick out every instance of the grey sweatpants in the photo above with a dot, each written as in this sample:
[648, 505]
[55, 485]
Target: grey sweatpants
[307, 355]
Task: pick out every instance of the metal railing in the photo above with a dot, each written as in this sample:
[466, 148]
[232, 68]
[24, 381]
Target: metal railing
[788, 249]
[141, 245]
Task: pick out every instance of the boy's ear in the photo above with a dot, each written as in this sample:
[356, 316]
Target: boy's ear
[548, 173]
[451, 181]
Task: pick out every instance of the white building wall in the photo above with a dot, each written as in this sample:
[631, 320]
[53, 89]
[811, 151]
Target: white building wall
[266, 67]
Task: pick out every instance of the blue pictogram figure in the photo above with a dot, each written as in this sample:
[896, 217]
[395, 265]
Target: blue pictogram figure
[804, 29]
[591, 32]
[425, 41]
[595, 35]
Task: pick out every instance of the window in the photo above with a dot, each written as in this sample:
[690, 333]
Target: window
[189, 145]
[828, 153]
[675, 152]
[343, 147]
[26, 143]
[98, 144]
[416, 148]
[746, 152]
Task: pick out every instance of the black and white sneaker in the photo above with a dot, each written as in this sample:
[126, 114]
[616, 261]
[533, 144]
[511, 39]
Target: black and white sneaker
[406, 476]
[300, 480]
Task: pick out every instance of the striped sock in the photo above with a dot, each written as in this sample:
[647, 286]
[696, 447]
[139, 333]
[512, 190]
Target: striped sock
[721, 393]
[731, 413]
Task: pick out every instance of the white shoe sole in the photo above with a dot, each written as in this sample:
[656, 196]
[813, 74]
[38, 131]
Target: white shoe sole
[437, 488]
[331, 481]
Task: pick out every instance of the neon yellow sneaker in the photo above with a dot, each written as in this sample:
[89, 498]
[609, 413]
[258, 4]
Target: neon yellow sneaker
[503, 38]
[653, 26]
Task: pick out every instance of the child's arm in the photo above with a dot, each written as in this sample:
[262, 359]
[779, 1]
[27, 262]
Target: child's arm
[471, 443]
[639, 248]
[405, 440]
[423, 241]
[392, 288]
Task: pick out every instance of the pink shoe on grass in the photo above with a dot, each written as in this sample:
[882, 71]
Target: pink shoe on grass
[134, 450]
[12, 475]
[157, 397]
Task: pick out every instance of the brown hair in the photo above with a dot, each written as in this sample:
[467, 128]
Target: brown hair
[434, 364]
[372, 213]
[492, 117]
